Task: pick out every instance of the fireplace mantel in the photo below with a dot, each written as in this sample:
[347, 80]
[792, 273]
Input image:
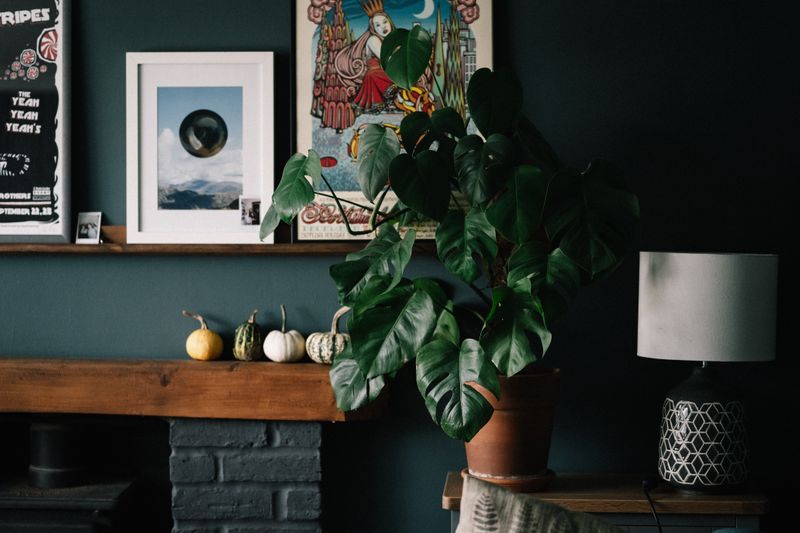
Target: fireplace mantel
[172, 388]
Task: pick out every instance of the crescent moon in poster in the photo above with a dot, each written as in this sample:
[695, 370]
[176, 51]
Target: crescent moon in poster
[427, 11]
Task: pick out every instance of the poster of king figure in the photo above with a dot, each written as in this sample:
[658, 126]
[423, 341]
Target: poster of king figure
[341, 87]
[33, 187]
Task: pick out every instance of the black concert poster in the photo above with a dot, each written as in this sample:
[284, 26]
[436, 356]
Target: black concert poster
[31, 121]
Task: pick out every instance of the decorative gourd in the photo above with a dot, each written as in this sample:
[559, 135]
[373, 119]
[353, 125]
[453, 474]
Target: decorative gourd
[323, 347]
[203, 344]
[247, 340]
[284, 346]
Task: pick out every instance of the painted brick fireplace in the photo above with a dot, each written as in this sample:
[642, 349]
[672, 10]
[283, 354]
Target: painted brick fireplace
[245, 476]
[244, 438]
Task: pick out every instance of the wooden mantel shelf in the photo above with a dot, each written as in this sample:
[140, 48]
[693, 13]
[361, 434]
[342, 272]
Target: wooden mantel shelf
[172, 388]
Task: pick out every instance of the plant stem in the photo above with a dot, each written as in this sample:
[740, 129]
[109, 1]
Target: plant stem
[485, 299]
[378, 204]
[355, 204]
[350, 230]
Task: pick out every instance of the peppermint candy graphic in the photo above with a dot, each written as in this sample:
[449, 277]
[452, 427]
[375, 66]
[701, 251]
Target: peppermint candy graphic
[33, 73]
[27, 57]
[48, 45]
[16, 65]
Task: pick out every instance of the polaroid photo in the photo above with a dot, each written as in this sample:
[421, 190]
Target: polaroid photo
[88, 230]
[250, 211]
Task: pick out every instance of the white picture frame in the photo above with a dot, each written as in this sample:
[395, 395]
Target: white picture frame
[173, 197]
[87, 228]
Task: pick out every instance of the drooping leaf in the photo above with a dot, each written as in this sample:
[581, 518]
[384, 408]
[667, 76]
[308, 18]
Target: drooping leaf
[592, 217]
[483, 168]
[387, 252]
[351, 388]
[514, 314]
[465, 242]
[405, 55]
[377, 147]
[554, 277]
[446, 326]
[422, 183]
[517, 213]
[472, 179]
[443, 374]
[269, 224]
[389, 333]
[414, 131]
[294, 191]
[495, 100]
[448, 121]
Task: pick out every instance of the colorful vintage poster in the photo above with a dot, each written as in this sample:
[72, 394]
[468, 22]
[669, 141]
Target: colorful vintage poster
[33, 191]
[341, 87]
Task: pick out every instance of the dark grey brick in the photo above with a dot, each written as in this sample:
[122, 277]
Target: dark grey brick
[188, 432]
[220, 502]
[303, 504]
[194, 528]
[274, 528]
[298, 434]
[191, 467]
[262, 466]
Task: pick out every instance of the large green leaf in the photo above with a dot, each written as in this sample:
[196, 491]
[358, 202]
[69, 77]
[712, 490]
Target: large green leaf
[269, 224]
[294, 191]
[447, 326]
[483, 167]
[405, 55]
[495, 100]
[414, 131]
[352, 389]
[393, 328]
[387, 252]
[517, 213]
[592, 217]
[554, 277]
[449, 121]
[443, 374]
[514, 314]
[465, 242]
[422, 183]
[377, 147]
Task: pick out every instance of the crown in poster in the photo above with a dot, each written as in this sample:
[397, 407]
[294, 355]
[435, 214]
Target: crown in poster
[372, 7]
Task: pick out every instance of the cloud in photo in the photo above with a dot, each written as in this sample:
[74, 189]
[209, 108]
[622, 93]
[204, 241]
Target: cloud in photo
[176, 165]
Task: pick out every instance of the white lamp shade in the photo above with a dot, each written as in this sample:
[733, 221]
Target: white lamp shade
[707, 307]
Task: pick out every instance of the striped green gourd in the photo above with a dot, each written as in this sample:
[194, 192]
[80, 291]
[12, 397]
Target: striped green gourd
[247, 340]
[323, 347]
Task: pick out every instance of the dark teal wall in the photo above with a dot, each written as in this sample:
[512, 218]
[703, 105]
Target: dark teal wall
[696, 101]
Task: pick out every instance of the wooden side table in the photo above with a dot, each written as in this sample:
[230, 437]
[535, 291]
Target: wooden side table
[621, 501]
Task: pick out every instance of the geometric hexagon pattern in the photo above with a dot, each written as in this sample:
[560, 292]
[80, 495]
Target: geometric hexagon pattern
[702, 446]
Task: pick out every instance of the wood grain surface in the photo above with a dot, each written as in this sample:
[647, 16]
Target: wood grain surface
[173, 388]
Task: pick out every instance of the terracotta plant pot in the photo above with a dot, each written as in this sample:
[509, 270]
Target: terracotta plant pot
[513, 447]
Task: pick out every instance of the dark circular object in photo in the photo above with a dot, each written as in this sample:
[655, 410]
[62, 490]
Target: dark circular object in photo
[203, 133]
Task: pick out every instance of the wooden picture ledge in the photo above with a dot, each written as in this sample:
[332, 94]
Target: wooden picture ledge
[115, 243]
[172, 388]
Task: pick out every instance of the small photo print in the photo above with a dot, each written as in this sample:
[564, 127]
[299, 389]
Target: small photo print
[88, 231]
[250, 210]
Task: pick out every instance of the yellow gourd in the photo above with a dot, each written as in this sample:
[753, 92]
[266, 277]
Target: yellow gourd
[203, 344]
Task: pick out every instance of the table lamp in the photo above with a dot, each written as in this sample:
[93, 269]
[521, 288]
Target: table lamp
[708, 308]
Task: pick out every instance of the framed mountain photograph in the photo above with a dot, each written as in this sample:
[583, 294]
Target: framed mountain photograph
[200, 146]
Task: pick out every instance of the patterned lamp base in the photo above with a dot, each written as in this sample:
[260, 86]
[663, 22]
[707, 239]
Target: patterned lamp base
[702, 446]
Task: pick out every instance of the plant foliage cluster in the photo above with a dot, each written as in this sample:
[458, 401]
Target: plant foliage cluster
[509, 213]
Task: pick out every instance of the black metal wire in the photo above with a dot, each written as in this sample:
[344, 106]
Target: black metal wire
[646, 486]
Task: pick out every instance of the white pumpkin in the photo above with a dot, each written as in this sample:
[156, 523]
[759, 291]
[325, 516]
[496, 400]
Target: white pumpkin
[284, 346]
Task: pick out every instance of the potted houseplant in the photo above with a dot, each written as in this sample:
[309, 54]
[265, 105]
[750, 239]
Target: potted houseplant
[509, 212]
